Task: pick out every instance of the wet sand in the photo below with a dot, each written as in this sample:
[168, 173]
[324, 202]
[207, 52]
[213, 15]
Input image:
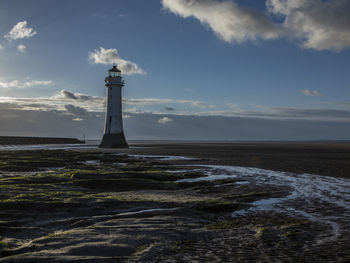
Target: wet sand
[149, 203]
[321, 158]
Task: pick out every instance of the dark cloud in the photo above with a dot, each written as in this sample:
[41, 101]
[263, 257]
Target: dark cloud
[65, 94]
[169, 109]
[68, 95]
[9, 105]
[76, 111]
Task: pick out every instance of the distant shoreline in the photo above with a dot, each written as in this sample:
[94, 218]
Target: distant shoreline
[328, 158]
[19, 140]
[132, 141]
[331, 158]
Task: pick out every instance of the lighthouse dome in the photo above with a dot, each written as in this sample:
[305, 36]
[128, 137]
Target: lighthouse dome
[114, 69]
[114, 72]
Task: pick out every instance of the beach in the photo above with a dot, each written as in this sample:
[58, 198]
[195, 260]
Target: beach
[321, 158]
[184, 202]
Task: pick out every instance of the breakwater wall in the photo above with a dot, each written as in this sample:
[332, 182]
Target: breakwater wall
[17, 140]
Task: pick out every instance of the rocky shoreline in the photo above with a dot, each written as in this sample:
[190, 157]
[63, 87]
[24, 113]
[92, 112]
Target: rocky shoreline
[99, 206]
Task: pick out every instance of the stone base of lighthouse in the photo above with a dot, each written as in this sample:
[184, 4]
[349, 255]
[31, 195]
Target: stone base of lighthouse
[116, 140]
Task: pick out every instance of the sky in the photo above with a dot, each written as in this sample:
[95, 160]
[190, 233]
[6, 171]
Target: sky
[194, 69]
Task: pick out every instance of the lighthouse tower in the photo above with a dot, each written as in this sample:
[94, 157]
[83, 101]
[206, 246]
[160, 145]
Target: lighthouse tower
[114, 135]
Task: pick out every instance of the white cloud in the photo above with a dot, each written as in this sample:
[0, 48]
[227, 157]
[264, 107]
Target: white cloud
[111, 56]
[126, 116]
[8, 85]
[316, 24]
[38, 83]
[313, 93]
[21, 48]
[165, 120]
[232, 106]
[26, 84]
[19, 31]
[319, 25]
[229, 21]
[153, 101]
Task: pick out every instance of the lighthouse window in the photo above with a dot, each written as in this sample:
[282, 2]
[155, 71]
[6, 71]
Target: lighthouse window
[114, 74]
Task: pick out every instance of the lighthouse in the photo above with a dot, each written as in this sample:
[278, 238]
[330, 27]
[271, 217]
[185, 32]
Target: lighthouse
[114, 134]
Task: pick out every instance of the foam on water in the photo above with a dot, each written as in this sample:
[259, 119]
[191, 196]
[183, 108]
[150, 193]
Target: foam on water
[213, 177]
[91, 162]
[162, 157]
[148, 211]
[312, 196]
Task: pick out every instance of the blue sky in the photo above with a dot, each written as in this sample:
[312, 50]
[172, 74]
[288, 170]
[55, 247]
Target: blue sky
[237, 59]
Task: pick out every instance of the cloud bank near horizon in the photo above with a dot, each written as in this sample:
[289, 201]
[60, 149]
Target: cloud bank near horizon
[16, 84]
[76, 122]
[314, 24]
[340, 112]
[67, 113]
